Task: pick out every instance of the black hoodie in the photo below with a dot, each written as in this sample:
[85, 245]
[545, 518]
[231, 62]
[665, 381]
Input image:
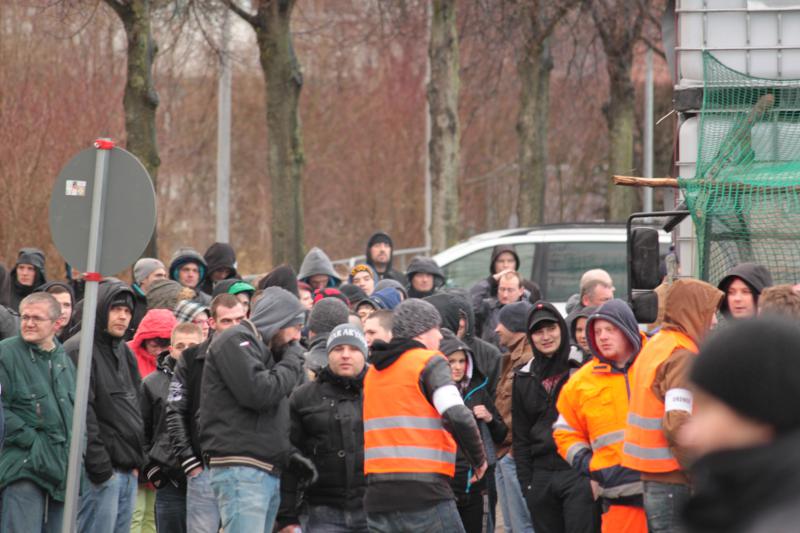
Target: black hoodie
[453, 305]
[16, 291]
[534, 395]
[219, 255]
[64, 335]
[756, 276]
[114, 427]
[487, 287]
[424, 265]
[282, 276]
[389, 273]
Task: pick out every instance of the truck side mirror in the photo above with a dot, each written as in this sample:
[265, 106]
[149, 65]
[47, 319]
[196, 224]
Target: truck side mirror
[644, 258]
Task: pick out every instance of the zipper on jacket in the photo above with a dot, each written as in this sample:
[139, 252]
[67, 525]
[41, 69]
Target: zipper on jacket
[476, 389]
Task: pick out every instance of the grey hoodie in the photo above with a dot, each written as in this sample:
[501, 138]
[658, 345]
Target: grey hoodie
[317, 262]
[276, 309]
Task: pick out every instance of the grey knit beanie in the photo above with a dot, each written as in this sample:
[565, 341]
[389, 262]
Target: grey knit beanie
[414, 317]
[515, 316]
[146, 266]
[326, 315]
[348, 335]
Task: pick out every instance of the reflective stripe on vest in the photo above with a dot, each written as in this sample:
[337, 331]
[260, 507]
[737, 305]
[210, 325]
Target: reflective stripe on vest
[646, 448]
[403, 432]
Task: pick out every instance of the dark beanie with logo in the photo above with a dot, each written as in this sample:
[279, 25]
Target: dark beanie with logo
[754, 369]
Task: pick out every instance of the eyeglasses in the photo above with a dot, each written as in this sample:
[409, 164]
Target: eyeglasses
[35, 319]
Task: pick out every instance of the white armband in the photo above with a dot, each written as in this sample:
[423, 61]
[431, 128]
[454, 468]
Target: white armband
[446, 397]
[678, 400]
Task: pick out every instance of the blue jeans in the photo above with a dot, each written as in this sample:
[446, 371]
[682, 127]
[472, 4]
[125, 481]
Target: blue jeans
[202, 511]
[663, 504]
[108, 507]
[248, 498]
[171, 509]
[325, 519]
[441, 517]
[516, 516]
[26, 508]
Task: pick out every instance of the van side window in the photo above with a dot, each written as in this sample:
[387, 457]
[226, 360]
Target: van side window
[567, 261]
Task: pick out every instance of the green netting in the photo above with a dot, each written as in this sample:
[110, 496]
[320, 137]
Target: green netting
[744, 196]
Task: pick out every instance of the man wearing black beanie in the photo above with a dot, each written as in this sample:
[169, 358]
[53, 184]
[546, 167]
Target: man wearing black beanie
[746, 429]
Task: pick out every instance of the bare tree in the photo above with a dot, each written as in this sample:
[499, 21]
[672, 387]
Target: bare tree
[285, 159]
[534, 63]
[444, 145]
[141, 99]
[619, 24]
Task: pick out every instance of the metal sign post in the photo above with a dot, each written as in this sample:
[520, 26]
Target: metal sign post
[87, 337]
[106, 180]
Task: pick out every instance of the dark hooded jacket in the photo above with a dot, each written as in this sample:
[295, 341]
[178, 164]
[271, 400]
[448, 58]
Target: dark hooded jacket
[282, 276]
[16, 292]
[64, 335]
[389, 273]
[218, 256]
[453, 306]
[424, 265]
[183, 405]
[189, 255]
[114, 428]
[486, 289]
[533, 406]
[757, 277]
[9, 323]
[572, 319]
[161, 466]
[244, 403]
[474, 389]
[316, 262]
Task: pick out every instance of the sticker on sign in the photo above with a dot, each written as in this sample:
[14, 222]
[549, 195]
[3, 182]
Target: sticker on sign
[76, 188]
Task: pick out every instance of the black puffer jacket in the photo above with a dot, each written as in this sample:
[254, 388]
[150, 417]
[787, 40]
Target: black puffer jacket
[453, 305]
[114, 427]
[534, 394]
[328, 428]
[244, 405]
[183, 404]
[161, 464]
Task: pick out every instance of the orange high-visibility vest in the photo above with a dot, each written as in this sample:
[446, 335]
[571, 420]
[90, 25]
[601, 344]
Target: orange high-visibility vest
[403, 432]
[646, 448]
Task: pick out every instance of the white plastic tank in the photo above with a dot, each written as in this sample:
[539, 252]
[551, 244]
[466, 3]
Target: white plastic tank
[757, 37]
[685, 240]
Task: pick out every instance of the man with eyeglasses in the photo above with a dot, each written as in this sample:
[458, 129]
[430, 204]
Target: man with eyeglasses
[509, 290]
[114, 427]
[182, 404]
[37, 380]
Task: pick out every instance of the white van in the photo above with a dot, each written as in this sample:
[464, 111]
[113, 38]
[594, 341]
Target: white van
[554, 256]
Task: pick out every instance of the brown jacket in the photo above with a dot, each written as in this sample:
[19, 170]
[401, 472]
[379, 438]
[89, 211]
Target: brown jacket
[690, 305]
[519, 354]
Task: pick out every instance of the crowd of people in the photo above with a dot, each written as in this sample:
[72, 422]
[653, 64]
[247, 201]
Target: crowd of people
[385, 401]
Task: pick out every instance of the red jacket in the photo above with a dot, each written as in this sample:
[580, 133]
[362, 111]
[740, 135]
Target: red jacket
[157, 323]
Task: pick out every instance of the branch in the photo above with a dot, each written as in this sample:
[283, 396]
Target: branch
[632, 181]
[561, 11]
[247, 17]
[652, 46]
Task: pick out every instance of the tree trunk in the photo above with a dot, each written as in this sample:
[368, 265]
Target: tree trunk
[533, 68]
[284, 81]
[140, 100]
[443, 92]
[621, 116]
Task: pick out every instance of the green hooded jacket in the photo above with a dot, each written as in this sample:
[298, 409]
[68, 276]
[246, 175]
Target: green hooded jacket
[38, 391]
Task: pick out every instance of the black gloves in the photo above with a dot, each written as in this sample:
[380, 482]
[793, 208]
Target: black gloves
[303, 469]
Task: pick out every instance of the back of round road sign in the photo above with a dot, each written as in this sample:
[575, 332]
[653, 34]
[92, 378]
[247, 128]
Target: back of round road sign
[128, 212]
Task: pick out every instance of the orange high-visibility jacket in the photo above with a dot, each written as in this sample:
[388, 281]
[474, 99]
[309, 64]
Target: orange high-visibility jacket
[592, 414]
[403, 432]
[646, 448]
